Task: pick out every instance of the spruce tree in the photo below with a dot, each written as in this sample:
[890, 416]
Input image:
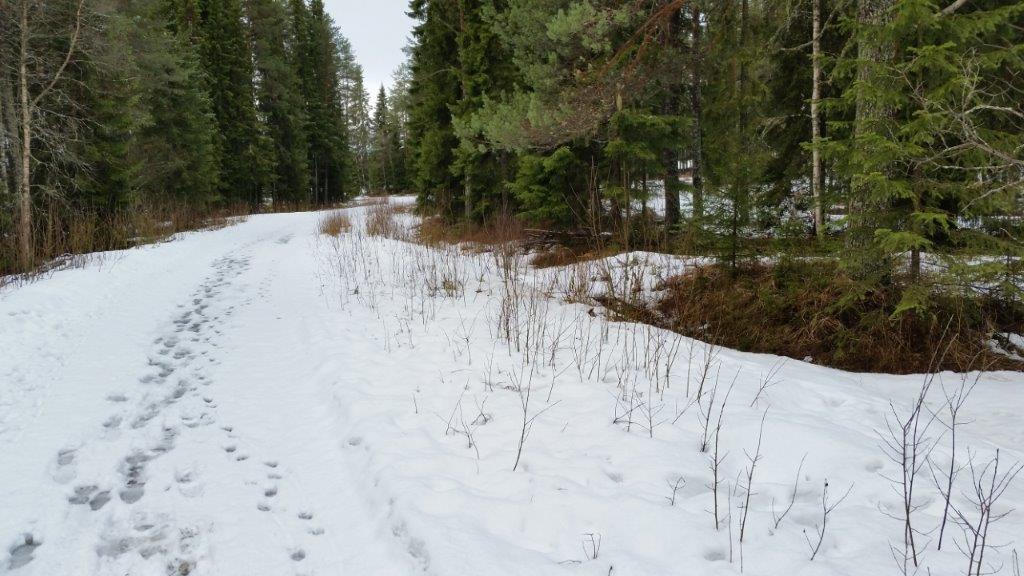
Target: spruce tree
[229, 74]
[433, 89]
[381, 162]
[281, 104]
[317, 46]
[180, 128]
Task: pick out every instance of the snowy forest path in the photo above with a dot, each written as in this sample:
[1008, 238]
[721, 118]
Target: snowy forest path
[196, 434]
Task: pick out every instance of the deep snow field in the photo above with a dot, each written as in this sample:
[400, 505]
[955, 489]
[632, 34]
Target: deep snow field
[264, 400]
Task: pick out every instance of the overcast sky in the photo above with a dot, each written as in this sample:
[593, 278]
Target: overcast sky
[378, 30]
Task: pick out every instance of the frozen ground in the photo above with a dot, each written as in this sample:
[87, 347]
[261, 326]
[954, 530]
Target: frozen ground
[261, 400]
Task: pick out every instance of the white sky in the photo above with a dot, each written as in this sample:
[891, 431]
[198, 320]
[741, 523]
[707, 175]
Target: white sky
[378, 30]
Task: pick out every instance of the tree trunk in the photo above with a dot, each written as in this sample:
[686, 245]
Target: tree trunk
[25, 253]
[10, 120]
[468, 196]
[671, 182]
[741, 198]
[465, 86]
[871, 117]
[819, 216]
[696, 103]
[5, 140]
[669, 156]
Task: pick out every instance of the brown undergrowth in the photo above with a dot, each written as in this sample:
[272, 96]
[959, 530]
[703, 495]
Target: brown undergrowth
[499, 230]
[799, 308]
[802, 310]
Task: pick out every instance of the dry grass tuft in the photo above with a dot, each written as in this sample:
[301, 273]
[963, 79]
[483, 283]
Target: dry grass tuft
[503, 229]
[382, 220]
[335, 224]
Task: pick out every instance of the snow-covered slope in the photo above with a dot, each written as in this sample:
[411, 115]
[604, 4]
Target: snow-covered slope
[260, 400]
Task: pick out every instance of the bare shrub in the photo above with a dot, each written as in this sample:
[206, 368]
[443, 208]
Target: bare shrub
[524, 385]
[907, 444]
[954, 402]
[988, 485]
[748, 488]
[792, 497]
[675, 486]
[826, 509]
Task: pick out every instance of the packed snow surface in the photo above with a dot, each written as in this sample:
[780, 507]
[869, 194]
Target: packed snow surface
[265, 400]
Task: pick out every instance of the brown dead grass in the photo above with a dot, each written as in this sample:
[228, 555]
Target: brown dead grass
[559, 256]
[335, 223]
[800, 310]
[63, 236]
[501, 230]
[382, 220]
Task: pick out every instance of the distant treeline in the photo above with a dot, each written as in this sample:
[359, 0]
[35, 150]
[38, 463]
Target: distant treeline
[118, 117]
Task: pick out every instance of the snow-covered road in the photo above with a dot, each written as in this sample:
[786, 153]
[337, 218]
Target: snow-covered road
[163, 412]
[259, 400]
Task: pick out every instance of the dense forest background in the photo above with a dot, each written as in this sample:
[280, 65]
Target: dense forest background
[841, 163]
[121, 120]
[852, 168]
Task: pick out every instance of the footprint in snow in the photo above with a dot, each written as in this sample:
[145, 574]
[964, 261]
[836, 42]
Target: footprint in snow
[113, 423]
[141, 420]
[714, 555]
[21, 553]
[134, 468]
[91, 495]
[65, 470]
